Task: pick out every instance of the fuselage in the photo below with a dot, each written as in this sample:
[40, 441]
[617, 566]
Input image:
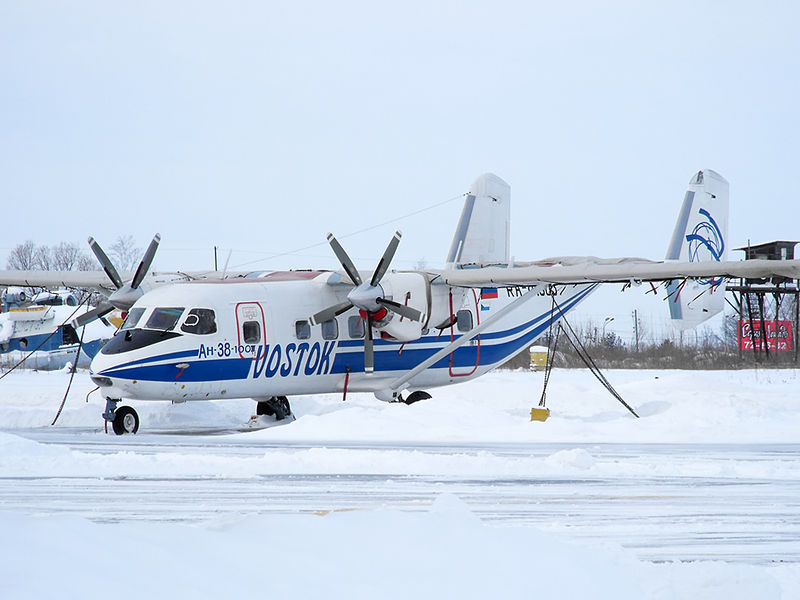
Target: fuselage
[252, 338]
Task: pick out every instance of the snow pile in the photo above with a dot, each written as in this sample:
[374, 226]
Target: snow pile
[439, 551]
[446, 552]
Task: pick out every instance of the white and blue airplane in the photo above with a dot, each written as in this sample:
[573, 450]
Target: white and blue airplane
[396, 334]
[37, 329]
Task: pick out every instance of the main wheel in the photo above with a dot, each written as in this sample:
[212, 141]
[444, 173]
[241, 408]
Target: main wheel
[284, 403]
[417, 396]
[274, 405]
[262, 408]
[125, 420]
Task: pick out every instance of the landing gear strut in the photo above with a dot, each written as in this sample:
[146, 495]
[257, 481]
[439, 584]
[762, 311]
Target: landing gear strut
[123, 419]
[274, 405]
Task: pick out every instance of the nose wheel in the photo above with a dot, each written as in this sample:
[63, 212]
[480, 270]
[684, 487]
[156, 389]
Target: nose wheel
[124, 420]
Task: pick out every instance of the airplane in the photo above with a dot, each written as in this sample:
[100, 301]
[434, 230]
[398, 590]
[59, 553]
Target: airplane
[35, 328]
[271, 335]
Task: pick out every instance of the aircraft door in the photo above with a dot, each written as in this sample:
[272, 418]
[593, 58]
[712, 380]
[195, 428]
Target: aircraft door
[251, 329]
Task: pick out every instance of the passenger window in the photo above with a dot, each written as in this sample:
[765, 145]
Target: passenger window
[164, 318]
[355, 327]
[133, 318]
[302, 329]
[330, 329]
[251, 332]
[200, 321]
[464, 320]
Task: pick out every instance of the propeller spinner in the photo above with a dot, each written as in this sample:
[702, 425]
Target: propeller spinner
[368, 297]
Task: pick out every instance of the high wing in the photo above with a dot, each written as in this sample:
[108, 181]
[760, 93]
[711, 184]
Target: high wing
[121, 290]
[98, 280]
[589, 269]
[93, 280]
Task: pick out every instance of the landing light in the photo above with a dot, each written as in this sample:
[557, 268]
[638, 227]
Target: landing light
[102, 381]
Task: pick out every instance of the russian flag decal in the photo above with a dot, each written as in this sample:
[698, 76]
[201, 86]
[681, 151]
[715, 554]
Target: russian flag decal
[488, 293]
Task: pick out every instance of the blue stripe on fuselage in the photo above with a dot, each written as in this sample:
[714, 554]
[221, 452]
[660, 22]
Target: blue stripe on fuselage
[290, 362]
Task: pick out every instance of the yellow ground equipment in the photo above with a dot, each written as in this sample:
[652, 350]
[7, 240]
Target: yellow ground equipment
[538, 357]
[539, 413]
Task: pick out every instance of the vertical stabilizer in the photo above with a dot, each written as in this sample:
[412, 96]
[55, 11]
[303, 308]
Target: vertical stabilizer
[701, 234]
[482, 235]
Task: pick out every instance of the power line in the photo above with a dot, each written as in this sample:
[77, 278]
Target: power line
[352, 233]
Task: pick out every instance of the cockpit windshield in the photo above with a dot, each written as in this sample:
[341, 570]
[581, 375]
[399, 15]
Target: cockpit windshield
[164, 319]
[132, 319]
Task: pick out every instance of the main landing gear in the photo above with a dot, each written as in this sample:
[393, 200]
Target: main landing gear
[123, 419]
[274, 405]
[416, 397]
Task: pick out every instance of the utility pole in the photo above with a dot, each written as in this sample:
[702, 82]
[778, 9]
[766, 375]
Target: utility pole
[636, 328]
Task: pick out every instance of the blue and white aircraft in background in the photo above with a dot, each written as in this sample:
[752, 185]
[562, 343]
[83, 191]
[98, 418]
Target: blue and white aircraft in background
[37, 328]
[271, 335]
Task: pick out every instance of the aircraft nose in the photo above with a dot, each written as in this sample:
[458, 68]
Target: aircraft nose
[100, 364]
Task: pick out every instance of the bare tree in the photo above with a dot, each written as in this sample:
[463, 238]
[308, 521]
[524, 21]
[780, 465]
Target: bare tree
[68, 256]
[125, 254]
[22, 257]
[43, 258]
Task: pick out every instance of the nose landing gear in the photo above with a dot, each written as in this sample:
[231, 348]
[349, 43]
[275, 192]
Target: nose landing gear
[123, 419]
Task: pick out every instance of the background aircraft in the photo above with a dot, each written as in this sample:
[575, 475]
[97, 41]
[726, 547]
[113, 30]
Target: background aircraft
[37, 329]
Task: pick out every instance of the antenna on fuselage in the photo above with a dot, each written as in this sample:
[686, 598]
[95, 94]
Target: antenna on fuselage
[227, 260]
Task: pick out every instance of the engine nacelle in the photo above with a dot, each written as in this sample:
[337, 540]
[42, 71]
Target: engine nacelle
[410, 289]
[14, 295]
[445, 303]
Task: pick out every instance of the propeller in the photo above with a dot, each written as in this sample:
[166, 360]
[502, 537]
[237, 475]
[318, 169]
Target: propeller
[126, 293]
[368, 297]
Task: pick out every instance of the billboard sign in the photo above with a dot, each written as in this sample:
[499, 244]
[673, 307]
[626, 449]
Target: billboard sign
[779, 338]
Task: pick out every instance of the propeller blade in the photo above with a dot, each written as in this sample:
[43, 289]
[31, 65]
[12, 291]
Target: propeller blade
[387, 257]
[107, 265]
[144, 266]
[345, 261]
[102, 309]
[401, 309]
[369, 357]
[330, 313]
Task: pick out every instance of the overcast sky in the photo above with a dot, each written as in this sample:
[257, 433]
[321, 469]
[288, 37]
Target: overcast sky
[261, 126]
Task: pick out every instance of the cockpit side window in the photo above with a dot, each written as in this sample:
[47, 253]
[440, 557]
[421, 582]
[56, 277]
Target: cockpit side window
[200, 321]
[164, 319]
[133, 318]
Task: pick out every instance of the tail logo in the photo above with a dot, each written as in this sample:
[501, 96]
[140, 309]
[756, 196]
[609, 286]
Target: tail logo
[706, 243]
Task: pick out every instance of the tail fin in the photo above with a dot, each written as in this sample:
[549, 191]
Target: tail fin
[482, 235]
[701, 234]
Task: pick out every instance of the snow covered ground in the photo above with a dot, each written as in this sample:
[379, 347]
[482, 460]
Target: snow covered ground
[460, 496]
